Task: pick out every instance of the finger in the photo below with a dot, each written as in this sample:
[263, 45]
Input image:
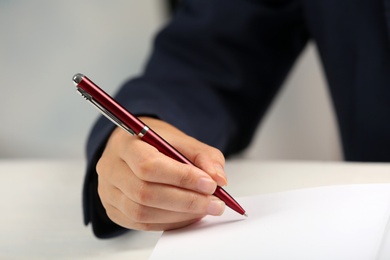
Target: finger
[152, 166]
[137, 213]
[213, 163]
[171, 198]
[207, 158]
[121, 219]
[158, 195]
[131, 215]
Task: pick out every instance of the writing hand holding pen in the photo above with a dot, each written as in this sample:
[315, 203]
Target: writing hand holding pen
[140, 188]
[152, 185]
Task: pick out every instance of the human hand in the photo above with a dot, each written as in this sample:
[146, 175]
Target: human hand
[141, 188]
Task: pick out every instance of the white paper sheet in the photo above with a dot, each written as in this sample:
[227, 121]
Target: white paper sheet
[334, 222]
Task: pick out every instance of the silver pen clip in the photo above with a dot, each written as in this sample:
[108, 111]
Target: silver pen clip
[104, 111]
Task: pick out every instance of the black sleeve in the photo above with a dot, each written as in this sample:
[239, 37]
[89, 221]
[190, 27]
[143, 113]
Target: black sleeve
[213, 71]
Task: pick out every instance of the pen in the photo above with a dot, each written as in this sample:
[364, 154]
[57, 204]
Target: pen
[131, 124]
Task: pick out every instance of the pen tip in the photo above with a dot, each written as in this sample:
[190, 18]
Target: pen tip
[246, 215]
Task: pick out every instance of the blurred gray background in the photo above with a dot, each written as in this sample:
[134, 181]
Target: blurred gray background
[44, 43]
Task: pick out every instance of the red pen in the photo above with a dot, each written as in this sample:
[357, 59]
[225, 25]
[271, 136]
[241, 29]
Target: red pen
[131, 124]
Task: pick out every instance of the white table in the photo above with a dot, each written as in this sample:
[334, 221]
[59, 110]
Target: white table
[41, 215]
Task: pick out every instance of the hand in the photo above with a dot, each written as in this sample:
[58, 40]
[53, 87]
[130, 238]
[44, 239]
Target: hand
[141, 188]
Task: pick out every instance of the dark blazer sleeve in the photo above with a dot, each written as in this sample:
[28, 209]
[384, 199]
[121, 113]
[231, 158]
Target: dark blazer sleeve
[213, 71]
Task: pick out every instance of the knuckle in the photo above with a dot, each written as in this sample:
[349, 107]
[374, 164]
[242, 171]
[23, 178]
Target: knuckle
[103, 194]
[138, 213]
[218, 154]
[207, 154]
[143, 194]
[144, 226]
[191, 204]
[111, 214]
[100, 190]
[187, 176]
[101, 166]
[146, 167]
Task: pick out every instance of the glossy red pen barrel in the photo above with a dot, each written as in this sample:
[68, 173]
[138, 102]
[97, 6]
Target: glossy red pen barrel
[125, 119]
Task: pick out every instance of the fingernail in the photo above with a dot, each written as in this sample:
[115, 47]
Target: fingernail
[221, 173]
[216, 207]
[206, 185]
